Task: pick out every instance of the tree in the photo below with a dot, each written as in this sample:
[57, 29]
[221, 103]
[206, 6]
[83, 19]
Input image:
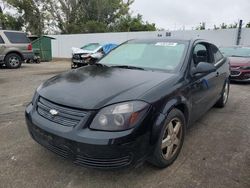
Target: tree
[232, 26]
[129, 23]
[223, 26]
[73, 16]
[9, 22]
[248, 25]
[216, 28]
[202, 26]
[78, 16]
[30, 12]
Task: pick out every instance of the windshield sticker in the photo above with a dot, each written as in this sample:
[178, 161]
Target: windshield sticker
[166, 44]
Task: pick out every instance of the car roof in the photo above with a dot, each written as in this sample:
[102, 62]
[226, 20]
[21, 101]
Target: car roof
[11, 31]
[236, 46]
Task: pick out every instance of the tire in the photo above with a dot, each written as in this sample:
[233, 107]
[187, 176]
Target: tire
[13, 61]
[221, 103]
[161, 158]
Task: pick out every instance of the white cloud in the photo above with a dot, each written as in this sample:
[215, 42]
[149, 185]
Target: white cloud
[174, 14]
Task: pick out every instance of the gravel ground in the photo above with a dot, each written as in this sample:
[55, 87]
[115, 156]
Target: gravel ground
[216, 152]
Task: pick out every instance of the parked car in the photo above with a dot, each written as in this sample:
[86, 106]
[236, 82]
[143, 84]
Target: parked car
[134, 105]
[239, 57]
[89, 54]
[15, 48]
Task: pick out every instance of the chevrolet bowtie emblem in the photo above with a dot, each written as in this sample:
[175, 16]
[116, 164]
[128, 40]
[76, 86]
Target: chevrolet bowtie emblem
[53, 112]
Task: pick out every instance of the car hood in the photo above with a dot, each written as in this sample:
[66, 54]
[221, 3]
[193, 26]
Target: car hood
[81, 51]
[239, 61]
[93, 87]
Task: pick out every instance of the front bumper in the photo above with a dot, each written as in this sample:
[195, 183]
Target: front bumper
[75, 63]
[241, 76]
[85, 147]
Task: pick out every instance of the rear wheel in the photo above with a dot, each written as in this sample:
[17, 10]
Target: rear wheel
[170, 141]
[13, 61]
[224, 96]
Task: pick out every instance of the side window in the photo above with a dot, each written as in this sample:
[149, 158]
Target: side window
[216, 53]
[201, 54]
[1, 40]
[16, 37]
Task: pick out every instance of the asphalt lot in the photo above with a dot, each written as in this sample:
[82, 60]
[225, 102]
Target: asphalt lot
[216, 152]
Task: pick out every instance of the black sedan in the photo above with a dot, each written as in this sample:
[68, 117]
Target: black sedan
[133, 106]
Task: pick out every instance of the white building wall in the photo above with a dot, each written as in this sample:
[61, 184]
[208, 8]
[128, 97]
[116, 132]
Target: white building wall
[61, 47]
[245, 37]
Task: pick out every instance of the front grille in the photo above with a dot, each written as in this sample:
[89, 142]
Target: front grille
[235, 73]
[76, 56]
[102, 163]
[66, 116]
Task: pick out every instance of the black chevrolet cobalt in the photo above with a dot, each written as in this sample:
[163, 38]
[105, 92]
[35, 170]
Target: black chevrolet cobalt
[134, 105]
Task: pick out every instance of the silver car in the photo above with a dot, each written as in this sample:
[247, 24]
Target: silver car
[15, 47]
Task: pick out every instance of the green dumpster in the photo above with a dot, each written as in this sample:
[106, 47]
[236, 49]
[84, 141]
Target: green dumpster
[42, 47]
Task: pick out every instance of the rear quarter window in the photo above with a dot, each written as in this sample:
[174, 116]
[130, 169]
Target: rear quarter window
[16, 37]
[1, 40]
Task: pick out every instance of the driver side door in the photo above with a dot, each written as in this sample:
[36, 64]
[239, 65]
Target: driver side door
[203, 86]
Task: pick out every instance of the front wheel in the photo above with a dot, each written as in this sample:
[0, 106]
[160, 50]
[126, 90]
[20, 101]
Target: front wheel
[170, 141]
[224, 95]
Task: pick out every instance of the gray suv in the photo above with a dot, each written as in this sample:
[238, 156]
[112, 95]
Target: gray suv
[15, 47]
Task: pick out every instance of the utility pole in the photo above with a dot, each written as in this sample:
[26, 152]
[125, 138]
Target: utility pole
[239, 33]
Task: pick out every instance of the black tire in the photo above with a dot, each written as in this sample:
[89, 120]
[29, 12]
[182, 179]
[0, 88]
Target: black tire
[221, 103]
[13, 61]
[159, 158]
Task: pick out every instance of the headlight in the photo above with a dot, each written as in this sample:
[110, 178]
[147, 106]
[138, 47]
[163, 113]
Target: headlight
[85, 55]
[35, 98]
[36, 95]
[120, 116]
[246, 68]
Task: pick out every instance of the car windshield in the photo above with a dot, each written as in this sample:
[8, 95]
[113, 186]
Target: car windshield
[91, 47]
[154, 55]
[236, 51]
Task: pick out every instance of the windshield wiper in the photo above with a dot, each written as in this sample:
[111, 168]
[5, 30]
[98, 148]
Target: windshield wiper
[237, 56]
[128, 67]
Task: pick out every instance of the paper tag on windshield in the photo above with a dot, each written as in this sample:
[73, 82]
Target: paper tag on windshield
[166, 44]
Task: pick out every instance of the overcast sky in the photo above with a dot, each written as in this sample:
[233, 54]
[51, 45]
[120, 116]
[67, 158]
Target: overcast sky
[175, 14]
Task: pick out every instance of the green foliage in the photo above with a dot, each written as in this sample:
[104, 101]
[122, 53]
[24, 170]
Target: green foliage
[248, 25]
[129, 23]
[202, 26]
[9, 22]
[74, 16]
[232, 26]
[30, 12]
[216, 28]
[223, 26]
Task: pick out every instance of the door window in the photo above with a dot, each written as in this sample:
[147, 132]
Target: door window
[216, 53]
[201, 54]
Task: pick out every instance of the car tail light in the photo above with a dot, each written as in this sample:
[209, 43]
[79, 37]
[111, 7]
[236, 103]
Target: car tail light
[29, 47]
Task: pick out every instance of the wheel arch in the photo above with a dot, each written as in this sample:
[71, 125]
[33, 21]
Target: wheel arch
[14, 52]
[179, 103]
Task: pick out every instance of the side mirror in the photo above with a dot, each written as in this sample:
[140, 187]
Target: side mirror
[203, 68]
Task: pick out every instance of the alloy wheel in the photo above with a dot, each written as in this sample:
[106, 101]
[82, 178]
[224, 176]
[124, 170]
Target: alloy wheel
[14, 61]
[225, 94]
[172, 138]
